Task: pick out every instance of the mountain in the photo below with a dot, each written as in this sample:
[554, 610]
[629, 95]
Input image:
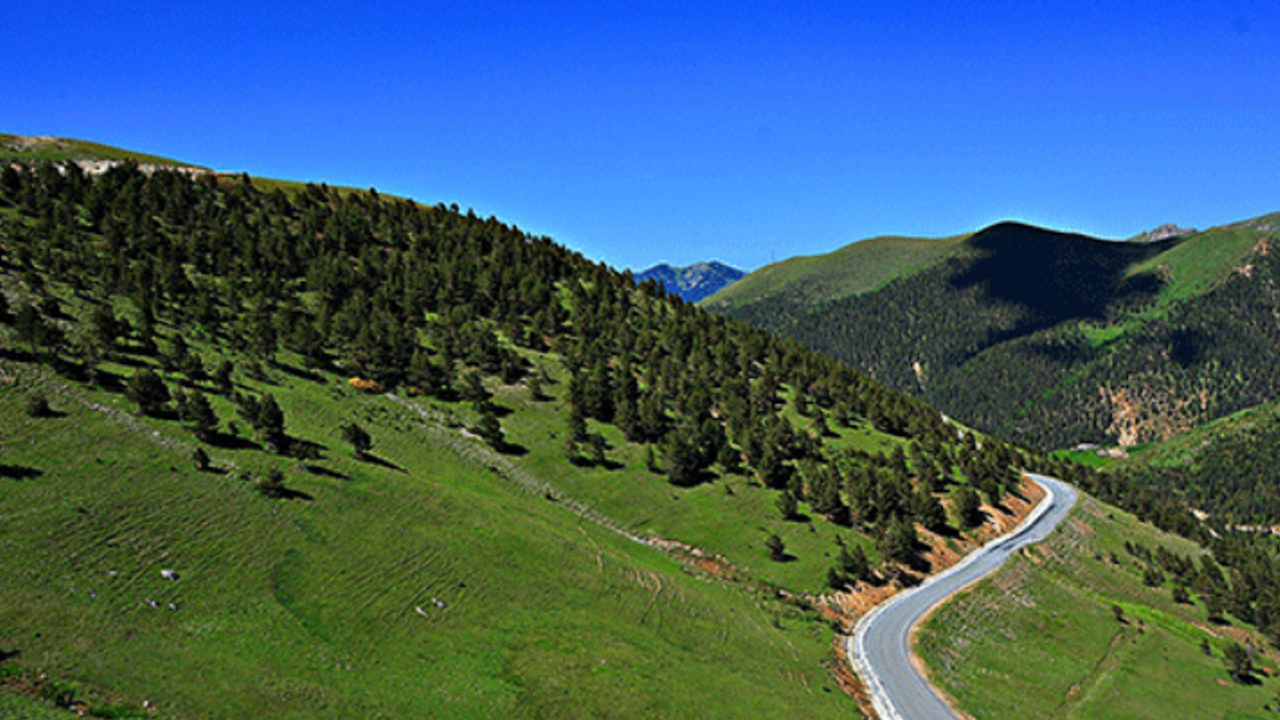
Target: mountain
[356, 456]
[1046, 338]
[692, 282]
[288, 450]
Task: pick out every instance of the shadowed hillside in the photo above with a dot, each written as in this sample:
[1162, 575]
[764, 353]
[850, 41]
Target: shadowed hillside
[1054, 339]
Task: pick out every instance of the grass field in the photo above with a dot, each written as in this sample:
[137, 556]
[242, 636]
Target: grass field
[1040, 640]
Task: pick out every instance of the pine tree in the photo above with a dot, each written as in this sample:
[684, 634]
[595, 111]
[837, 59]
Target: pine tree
[967, 507]
[490, 428]
[928, 511]
[200, 458]
[598, 447]
[535, 384]
[683, 465]
[473, 387]
[777, 549]
[854, 563]
[222, 378]
[148, 392]
[787, 505]
[269, 422]
[201, 416]
[898, 544]
[577, 424]
[358, 438]
[1238, 662]
[272, 484]
[772, 472]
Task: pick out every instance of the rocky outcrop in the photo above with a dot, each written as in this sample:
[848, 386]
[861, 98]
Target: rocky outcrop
[1164, 232]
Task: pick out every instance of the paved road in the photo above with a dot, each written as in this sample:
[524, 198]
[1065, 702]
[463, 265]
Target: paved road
[880, 646]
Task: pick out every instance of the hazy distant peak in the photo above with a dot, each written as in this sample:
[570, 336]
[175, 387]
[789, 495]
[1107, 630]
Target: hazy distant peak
[692, 282]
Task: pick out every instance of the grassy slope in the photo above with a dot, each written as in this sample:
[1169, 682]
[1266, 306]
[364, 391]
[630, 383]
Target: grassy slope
[1039, 640]
[852, 270]
[14, 147]
[732, 516]
[306, 608]
[1199, 262]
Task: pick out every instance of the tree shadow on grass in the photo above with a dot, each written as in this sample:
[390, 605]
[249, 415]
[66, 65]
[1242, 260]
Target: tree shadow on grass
[20, 472]
[104, 380]
[702, 476]
[375, 460]
[1245, 679]
[227, 441]
[9, 654]
[291, 494]
[301, 373]
[515, 449]
[326, 472]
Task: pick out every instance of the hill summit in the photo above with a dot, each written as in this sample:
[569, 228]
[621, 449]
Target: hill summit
[693, 282]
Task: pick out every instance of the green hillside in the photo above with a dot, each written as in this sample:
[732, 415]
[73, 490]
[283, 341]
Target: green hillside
[1054, 339]
[408, 462]
[1228, 468]
[324, 606]
[1087, 626]
[773, 295]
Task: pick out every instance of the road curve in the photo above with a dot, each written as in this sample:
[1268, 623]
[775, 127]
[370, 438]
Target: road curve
[880, 644]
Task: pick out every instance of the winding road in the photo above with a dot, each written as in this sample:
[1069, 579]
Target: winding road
[880, 644]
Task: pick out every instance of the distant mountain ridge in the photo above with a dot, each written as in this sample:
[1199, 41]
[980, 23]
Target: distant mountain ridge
[1046, 338]
[693, 282]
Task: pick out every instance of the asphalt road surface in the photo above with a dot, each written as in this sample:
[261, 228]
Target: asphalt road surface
[880, 644]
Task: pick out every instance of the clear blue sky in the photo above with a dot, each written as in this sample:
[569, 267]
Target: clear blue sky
[644, 132]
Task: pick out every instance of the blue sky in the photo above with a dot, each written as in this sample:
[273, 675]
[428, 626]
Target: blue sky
[647, 132]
